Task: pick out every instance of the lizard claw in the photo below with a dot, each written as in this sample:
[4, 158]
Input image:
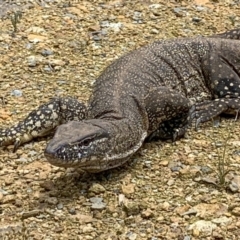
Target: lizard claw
[178, 133]
[198, 121]
[194, 113]
[7, 137]
[175, 136]
[17, 143]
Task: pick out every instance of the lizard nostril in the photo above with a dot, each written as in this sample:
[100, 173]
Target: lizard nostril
[49, 151]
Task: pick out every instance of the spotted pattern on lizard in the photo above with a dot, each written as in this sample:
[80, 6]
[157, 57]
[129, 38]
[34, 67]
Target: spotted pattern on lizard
[154, 91]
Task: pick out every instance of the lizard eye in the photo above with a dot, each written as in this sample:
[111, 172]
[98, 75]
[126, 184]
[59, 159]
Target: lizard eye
[85, 142]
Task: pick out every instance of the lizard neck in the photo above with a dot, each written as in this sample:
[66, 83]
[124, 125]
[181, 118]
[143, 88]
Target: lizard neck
[126, 137]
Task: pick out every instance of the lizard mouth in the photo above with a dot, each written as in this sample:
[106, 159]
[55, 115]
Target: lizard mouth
[91, 164]
[63, 161]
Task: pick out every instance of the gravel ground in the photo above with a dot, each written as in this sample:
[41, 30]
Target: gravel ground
[187, 190]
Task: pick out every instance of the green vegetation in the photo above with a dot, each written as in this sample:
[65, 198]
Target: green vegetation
[15, 19]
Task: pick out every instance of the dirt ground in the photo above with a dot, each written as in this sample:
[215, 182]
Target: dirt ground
[167, 191]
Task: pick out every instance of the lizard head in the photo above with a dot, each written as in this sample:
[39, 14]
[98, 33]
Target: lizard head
[79, 144]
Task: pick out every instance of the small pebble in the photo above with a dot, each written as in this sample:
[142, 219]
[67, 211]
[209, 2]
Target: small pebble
[206, 169]
[46, 52]
[131, 208]
[236, 211]
[154, 31]
[148, 213]
[1, 197]
[196, 19]
[51, 200]
[97, 188]
[97, 203]
[32, 62]
[72, 211]
[17, 93]
[48, 185]
[32, 213]
[60, 206]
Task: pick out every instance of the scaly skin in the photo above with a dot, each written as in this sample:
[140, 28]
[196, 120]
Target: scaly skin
[153, 92]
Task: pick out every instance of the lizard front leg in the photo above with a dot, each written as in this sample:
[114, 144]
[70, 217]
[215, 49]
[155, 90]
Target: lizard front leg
[168, 113]
[43, 120]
